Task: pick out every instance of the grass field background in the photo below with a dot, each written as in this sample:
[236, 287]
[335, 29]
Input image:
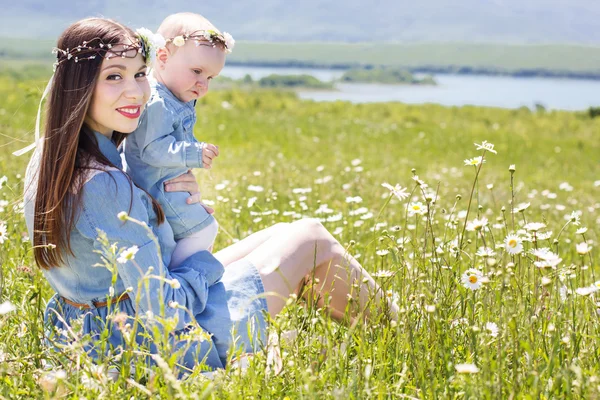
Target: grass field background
[339, 154]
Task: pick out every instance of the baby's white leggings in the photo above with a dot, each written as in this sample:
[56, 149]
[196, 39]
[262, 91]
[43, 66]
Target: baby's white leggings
[202, 240]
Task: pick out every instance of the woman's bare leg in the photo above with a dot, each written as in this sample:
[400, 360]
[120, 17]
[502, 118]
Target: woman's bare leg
[306, 250]
[241, 249]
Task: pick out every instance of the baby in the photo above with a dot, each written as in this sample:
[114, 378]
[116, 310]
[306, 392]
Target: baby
[163, 146]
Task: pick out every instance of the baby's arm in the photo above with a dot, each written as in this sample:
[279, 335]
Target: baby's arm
[158, 146]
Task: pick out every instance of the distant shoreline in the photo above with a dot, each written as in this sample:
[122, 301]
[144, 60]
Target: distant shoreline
[450, 69]
[486, 59]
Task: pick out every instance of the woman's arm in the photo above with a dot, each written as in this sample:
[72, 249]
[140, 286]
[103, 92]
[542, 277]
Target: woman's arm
[108, 194]
[187, 183]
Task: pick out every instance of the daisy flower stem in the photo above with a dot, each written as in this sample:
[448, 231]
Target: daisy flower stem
[512, 196]
[462, 235]
[523, 215]
[560, 232]
[591, 261]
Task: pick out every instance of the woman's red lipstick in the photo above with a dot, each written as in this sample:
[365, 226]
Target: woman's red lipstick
[130, 112]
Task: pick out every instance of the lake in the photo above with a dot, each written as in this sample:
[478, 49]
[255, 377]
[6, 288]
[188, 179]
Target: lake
[452, 90]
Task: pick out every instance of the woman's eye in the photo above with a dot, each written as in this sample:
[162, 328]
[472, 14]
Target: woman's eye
[140, 75]
[113, 77]
[197, 71]
[210, 78]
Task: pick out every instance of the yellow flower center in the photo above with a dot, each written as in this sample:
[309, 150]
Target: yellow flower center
[416, 207]
[473, 279]
[512, 243]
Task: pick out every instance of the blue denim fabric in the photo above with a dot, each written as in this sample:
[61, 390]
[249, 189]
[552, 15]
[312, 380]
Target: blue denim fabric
[164, 147]
[218, 300]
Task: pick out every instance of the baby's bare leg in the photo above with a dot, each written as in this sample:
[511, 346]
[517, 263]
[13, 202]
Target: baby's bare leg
[306, 250]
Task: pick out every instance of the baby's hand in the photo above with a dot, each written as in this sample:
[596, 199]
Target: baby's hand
[209, 152]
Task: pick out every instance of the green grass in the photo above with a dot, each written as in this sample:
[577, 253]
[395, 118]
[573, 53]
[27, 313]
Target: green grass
[546, 347]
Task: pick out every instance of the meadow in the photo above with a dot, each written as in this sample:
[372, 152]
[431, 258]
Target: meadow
[492, 261]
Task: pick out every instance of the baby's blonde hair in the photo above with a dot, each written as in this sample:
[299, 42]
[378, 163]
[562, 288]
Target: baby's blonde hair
[184, 23]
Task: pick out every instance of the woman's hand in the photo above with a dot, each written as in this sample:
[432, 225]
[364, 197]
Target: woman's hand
[187, 183]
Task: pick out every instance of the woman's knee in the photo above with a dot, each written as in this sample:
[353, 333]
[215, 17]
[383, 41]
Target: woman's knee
[279, 227]
[311, 229]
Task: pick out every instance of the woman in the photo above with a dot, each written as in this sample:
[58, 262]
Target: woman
[80, 202]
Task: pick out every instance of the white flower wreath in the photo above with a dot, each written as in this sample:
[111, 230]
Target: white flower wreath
[152, 42]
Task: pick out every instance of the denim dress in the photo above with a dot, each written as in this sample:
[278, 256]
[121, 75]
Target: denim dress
[164, 147]
[228, 303]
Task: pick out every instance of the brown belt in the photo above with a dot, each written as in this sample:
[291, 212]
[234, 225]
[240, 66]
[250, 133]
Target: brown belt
[97, 304]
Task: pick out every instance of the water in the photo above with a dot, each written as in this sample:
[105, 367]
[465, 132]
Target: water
[452, 90]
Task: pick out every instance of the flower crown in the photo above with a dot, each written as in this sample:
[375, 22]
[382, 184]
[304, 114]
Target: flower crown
[213, 37]
[146, 43]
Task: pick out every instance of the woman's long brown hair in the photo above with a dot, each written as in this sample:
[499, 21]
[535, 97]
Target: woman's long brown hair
[69, 146]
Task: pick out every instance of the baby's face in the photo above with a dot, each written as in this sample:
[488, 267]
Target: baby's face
[188, 72]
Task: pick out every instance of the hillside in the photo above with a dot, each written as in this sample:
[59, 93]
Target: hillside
[506, 21]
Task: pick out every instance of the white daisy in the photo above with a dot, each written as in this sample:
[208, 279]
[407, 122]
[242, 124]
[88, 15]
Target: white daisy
[229, 41]
[384, 273]
[547, 258]
[397, 190]
[301, 190]
[492, 328]
[566, 187]
[466, 368]
[477, 224]
[485, 252]
[3, 234]
[416, 207]
[521, 207]
[581, 231]
[475, 161]
[255, 188]
[472, 279]
[7, 307]
[419, 181]
[355, 199]
[178, 41]
[485, 145]
[513, 244]
[534, 226]
[127, 255]
[573, 217]
[543, 253]
[583, 248]
[586, 291]
[543, 235]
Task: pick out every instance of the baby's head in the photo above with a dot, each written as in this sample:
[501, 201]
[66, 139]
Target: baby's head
[193, 56]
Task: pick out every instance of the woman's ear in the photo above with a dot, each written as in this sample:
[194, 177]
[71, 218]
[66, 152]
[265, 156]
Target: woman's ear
[162, 55]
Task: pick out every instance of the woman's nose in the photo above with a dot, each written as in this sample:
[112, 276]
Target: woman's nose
[135, 91]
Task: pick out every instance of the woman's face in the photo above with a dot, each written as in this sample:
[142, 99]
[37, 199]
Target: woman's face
[119, 96]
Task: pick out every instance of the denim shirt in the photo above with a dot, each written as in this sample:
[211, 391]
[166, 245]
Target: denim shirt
[105, 194]
[164, 147]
